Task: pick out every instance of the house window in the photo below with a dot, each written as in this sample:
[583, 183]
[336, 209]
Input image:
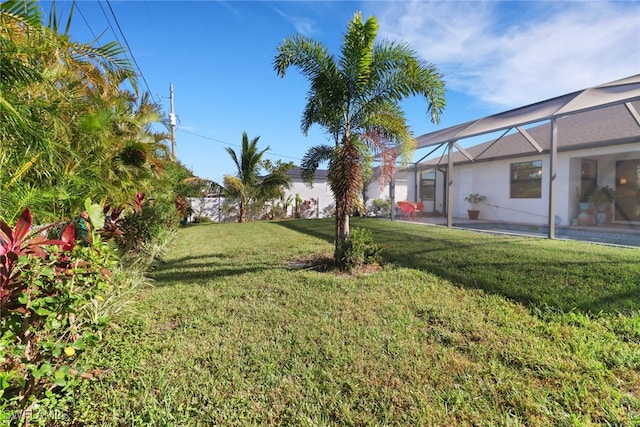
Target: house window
[428, 185]
[526, 180]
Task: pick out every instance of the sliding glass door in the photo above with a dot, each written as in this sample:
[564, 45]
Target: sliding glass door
[628, 190]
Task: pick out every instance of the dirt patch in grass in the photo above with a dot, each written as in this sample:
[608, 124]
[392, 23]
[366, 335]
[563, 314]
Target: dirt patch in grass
[322, 264]
[327, 265]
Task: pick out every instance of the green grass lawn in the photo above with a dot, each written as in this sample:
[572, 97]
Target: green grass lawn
[459, 328]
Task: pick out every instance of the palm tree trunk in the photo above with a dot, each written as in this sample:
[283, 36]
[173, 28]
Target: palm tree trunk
[243, 212]
[346, 181]
[342, 232]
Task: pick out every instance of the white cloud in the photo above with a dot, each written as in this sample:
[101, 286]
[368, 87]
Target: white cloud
[509, 54]
[302, 25]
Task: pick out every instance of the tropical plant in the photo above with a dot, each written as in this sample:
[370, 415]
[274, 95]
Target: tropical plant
[474, 199]
[69, 128]
[583, 196]
[329, 211]
[280, 208]
[247, 185]
[355, 99]
[307, 209]
[603, 194]
[148, 219]
[360, 249]
[380, 207]
[19, 242]
[45, 287]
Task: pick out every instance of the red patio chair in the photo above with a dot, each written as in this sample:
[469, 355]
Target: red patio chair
[407, 209]
[419, 208]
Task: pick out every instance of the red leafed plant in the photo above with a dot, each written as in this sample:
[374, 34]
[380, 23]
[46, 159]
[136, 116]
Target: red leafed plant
[21, 241]
[46, 287]
[138, 202]
[112, 228]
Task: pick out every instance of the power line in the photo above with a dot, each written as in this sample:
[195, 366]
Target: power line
[230, 143]
[126, 42]
[115, 35]
[109, 22]
[77, 6]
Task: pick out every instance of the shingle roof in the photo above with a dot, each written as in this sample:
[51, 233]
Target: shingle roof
[593, 98]
[605, 126]
[296, 174]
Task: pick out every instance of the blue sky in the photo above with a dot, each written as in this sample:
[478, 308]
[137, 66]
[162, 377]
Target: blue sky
[219, 57]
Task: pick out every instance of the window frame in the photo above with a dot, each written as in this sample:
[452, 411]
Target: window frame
[523, 184]
[431, 184]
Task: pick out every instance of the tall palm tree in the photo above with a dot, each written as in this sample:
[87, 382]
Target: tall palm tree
[247, 185]
[355, 99]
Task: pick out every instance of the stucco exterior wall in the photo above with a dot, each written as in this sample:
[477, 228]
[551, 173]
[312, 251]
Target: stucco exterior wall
[492, 179]
[319, 191]
[209, 207]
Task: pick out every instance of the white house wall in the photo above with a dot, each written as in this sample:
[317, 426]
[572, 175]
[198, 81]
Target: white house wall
[375, 192]
[319, 191]
[208, 207]
[403, 184]
[492, 179]
[403, 181]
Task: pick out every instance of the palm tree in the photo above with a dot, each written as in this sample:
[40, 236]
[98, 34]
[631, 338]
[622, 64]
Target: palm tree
[69, 130]
[247, 185]
[56, 99]
[355, 98]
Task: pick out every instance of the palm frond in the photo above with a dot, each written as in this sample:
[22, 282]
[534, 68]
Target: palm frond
[272, 186]
[17, 174]
[310, 57]
[27, 12]
[357, 50]
[399, 74]
[312, 159]
[232, 186]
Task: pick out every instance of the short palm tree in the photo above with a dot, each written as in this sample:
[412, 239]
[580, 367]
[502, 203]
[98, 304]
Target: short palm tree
[355, 98]
[247, 185]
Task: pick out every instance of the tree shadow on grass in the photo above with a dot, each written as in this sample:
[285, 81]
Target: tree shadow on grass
[199, 270]
[187, 276]
[320, 228]
[498, 264]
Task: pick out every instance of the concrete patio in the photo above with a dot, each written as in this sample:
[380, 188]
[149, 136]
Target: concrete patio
[611, 234]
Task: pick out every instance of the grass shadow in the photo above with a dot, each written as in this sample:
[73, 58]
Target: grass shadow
[529, 270]
[199, 269]
[171, 277]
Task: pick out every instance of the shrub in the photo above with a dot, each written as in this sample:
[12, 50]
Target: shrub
[603, 195]
[329, 211]
[183, 206]
[359, 250]
[380, 207]
[306, 208]
[45, 286]
[277, 209]
[147, 221]
[202, 220]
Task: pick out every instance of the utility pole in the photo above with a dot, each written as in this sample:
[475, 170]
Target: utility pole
[172, 122]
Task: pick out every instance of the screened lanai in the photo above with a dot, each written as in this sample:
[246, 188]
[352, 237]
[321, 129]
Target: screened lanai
[606, 115]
